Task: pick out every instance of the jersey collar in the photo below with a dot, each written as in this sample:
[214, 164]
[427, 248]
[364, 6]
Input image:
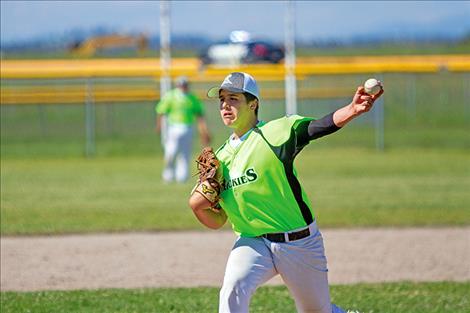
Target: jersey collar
[235, 142]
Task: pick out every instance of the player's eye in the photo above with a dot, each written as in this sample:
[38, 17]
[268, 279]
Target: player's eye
[221, 103]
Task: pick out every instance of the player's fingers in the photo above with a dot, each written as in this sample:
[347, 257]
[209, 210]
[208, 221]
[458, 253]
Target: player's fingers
[379, 94]
[363, 108]
[368, 103]
[365, 100]
[358, 93]
[361, 91]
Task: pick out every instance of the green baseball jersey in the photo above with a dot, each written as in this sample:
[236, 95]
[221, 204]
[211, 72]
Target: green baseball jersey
[261, 191]
[180, 107]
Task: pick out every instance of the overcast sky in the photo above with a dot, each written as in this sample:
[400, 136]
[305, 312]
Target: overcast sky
[322, 20]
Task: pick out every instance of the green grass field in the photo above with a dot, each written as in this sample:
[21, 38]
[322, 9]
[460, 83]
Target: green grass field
[444, 297]
[348, 188]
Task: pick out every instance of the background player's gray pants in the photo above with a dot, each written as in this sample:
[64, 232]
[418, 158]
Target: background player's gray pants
[178, 146]
[301, 264]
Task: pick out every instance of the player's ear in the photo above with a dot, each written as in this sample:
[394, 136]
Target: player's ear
[254, 104]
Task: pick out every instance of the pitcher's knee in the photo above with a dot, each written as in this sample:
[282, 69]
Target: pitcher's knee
[235, 297]
[313, 305]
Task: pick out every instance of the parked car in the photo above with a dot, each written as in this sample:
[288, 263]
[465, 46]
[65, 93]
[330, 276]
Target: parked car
[233, 53]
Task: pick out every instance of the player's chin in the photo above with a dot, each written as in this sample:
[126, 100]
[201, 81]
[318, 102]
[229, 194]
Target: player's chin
[228, 121]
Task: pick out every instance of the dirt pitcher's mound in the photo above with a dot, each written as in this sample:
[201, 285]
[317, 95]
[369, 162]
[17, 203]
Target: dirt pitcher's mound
[186, 259]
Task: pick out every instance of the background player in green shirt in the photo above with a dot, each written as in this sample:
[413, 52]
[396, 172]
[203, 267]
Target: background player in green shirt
[182, 109]
[264, 201]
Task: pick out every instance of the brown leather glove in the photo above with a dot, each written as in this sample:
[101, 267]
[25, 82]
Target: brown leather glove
[210, 180]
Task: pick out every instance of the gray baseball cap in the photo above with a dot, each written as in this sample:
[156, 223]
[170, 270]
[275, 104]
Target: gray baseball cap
[236, 82]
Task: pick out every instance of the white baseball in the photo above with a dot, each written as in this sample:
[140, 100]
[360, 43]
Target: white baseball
[372, 86]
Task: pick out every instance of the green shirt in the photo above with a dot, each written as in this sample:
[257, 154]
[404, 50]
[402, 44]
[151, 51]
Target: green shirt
[180, 107]
[261, 192]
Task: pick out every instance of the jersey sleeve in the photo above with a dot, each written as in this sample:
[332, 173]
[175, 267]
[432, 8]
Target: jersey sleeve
[279, 131]
[287, 136]
[300, 128]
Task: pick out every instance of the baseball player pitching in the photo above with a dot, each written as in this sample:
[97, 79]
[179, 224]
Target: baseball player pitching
[252, 182]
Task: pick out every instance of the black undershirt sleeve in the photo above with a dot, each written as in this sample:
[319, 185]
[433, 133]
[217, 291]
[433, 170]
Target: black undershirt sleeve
[322, 127]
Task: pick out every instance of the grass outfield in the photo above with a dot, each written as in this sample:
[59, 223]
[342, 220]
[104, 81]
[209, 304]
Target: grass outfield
[348, 188]
[442, 297]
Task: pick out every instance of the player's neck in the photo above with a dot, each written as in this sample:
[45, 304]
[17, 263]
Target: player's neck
[238, 133]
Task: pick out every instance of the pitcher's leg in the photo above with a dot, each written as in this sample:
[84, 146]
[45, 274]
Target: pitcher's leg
[249, 265]
[171, 149]
[184, 156]
[309, 287]
[303, 267]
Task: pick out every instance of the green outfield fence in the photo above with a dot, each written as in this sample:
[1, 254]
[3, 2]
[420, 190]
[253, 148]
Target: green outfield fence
[69, 109]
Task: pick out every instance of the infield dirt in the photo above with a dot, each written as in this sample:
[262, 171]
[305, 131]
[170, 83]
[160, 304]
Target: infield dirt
[188, 259]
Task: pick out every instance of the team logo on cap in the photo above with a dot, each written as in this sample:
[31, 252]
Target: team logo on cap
[234, 79]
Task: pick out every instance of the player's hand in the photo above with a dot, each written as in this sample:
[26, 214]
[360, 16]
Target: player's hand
[210, 180]
[362, 102]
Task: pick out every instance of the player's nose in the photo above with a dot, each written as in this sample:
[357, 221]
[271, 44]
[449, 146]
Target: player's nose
[224, 105]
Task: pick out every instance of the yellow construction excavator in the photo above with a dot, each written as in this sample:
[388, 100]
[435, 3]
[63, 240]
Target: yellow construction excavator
[92, 45]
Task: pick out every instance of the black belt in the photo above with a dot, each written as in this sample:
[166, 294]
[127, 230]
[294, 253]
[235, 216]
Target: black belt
[280, 237]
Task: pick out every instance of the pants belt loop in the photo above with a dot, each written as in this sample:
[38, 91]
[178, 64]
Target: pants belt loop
[286, 237]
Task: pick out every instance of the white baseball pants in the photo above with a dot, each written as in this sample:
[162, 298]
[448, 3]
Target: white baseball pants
[301, 264]
[178, 147]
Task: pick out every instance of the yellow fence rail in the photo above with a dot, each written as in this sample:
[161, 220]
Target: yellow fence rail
[24, 69]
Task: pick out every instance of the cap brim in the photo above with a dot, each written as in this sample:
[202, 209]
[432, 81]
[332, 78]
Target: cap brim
[214, 91]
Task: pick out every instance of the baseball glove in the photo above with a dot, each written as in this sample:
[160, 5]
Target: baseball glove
[209, 183]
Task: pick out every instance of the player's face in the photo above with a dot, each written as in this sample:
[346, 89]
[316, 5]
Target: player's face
[234, 109]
